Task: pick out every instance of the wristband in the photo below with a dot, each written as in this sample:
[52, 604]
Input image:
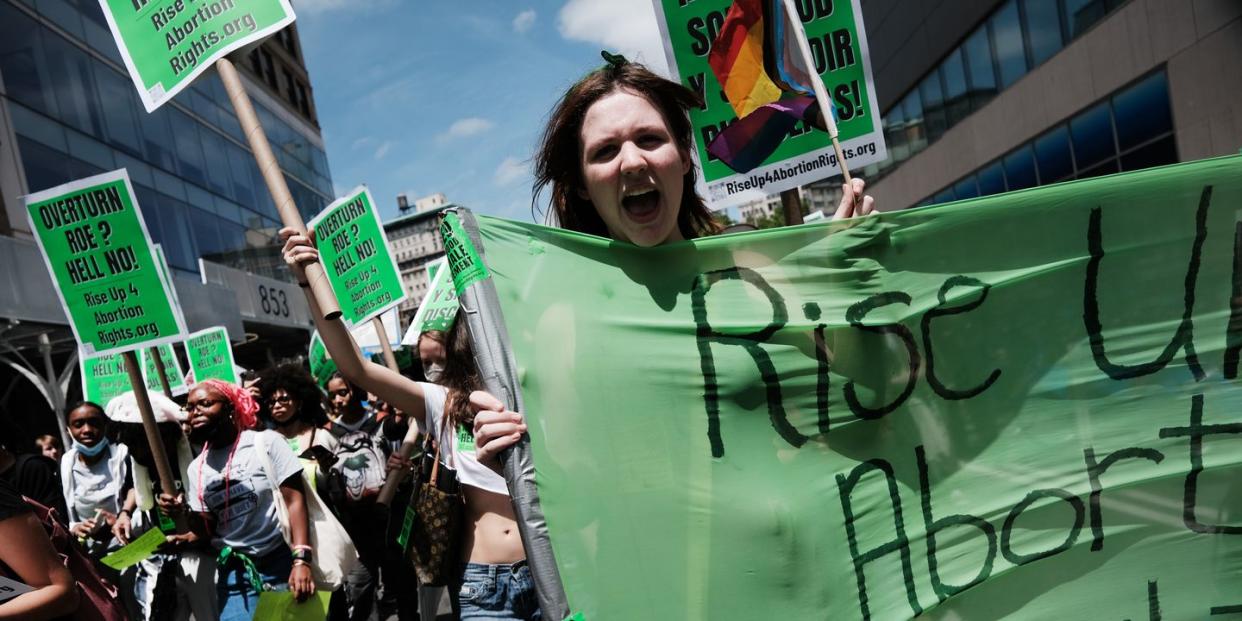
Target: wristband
[303, 554]
[298, 561]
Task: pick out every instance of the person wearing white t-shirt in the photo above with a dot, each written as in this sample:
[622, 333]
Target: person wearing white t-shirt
[232, 500]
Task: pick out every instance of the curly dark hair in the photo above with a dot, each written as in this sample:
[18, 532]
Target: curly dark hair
[558, 164]
[297, 381]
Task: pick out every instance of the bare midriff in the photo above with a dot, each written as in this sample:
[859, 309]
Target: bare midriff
[491, 535]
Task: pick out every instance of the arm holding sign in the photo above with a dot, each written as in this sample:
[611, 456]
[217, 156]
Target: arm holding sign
[399, 390]
[28, 552]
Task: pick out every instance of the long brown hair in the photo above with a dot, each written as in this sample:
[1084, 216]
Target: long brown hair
[461, 376]
[558, 164]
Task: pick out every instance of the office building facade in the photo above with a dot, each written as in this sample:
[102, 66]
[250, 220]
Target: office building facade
[69, 110]
[986, 96]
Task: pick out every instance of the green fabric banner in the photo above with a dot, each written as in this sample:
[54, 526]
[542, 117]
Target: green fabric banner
[1023, 406]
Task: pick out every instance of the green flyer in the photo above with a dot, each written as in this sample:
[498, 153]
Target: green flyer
[321, 365]
[439, 307]
[167, 43]
[838, 45]
[176, 378]
[103, 377]
[211, 355]
[354, 253]
[96, 247]
[280, 606]
[136, 551]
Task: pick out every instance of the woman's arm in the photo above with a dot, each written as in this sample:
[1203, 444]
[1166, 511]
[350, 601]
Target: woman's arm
[122, 527]
[29, 553]
[300, 581]
[397, 389]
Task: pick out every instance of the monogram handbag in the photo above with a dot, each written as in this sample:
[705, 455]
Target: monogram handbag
[435, 543]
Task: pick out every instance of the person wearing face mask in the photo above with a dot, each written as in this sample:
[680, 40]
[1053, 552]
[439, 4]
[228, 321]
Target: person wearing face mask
[293, 407]
[92, 475]
[431, 353]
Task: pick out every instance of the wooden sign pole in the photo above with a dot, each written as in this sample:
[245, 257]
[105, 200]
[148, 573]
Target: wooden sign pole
[158, 455]
[163, 373]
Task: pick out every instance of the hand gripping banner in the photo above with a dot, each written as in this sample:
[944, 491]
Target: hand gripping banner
[1023, 406]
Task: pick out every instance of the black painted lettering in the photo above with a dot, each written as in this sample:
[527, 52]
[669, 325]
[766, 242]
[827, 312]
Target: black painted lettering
[1233, 333]
[1018, 558]
[1196, 432]
[945, 591]
[1182, 339]
[1096, 469]
[900, 542]
[750, 342]
[945, 392]
[855, 314]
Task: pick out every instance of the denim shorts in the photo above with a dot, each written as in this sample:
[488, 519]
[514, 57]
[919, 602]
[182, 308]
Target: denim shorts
[497, 592]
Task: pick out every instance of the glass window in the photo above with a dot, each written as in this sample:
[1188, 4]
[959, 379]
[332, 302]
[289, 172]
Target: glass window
[1142, 111]
[954, 72]
[139, 171]
[74, 85]
[178, 243]
[217, 162]
[1107, 168]
[89, 150]
[1158, 153]
[980, 68]
[992, 179]
[934, 117]
[1020, 169]
[206, 233]
[895, 134]
[1007, 40]
[80, 169]
[1092, 135]
[1081, 15]
[169, 185]
[1043, 29]
[189, 151]
[944, 196]
[27, 76]
[149, 202]
[98, 36]
[117, 100]
[916, 132]
[240, 163]
[1052, 153]
[39, 128]
[45, 167]
[63, 13]
[966, 188]
[157, 138]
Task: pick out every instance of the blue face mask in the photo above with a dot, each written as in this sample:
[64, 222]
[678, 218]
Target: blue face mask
[91, 451]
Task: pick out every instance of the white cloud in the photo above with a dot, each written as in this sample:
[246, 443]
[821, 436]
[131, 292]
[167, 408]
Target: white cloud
[524, 21]
[464, 128]
[383, 150]
[626, 27]
[362, 142]
[510, 170]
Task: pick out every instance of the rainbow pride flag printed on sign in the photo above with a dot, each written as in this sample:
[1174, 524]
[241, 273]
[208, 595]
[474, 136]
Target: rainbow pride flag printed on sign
[757, 63]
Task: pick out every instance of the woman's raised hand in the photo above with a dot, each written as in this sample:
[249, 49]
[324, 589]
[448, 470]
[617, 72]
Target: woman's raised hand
[850, 205]
[495, 428]
[299, 251]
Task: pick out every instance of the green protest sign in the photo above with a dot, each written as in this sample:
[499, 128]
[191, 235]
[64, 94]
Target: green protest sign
[281, 606]
[103, 377]
[136, 551]
[465, 266]
[838, 44]
[167, 43]
[172, 369]
[1023, 406]
[96, 247]
[211, 355]
[321, 366]
[354, 253]
[439, 306]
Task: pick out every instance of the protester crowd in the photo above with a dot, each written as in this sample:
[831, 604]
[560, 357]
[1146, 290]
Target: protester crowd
[277, 477]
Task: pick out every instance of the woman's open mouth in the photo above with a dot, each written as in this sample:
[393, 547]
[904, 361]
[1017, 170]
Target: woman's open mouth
[642, 206]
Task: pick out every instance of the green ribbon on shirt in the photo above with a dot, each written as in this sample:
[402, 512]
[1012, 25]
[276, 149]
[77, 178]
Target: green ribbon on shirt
[252, 572]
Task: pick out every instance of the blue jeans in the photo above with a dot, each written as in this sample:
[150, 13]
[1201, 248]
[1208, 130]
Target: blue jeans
[497, 592]
[235, 595]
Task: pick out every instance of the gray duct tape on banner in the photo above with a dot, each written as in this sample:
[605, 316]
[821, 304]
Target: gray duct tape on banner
[498, 370]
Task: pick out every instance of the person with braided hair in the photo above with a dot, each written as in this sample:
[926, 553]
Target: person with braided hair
[231, 500]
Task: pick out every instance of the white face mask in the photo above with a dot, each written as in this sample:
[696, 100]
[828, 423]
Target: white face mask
[433, 372]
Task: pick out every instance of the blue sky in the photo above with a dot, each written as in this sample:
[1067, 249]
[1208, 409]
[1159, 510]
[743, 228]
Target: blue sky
[424, 96]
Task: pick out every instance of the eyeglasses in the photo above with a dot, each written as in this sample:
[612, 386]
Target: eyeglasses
[282, 399]
[344, 392]
[190, 406]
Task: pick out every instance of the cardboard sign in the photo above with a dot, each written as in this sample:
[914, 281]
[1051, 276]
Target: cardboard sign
[355, 255]
[172, 369]
[107, 276]
[439, 308]
[211, 355]
[167, 43]
[839, 48]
